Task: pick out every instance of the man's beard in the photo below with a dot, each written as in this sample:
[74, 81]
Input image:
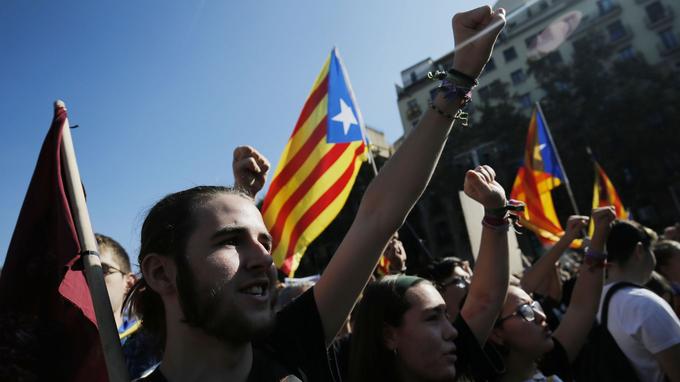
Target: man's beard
[205, 309]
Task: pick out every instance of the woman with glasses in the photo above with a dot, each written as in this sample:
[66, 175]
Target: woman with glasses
[531, 352]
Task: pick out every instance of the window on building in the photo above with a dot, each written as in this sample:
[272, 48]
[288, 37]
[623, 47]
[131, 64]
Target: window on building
[518, 77]
[484, 92]
[544, 5]
[525, 100]
[490, 66]
[655, 11]
[627, 53]
[616, 30]
[669, 39]
[510, 54]
[605, 6]
[414, 78]
[530, 41]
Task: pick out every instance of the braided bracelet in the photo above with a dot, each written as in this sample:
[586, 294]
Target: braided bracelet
[459, 115]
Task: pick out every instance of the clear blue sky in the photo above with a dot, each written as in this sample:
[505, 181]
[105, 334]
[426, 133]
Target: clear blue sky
[163, 91]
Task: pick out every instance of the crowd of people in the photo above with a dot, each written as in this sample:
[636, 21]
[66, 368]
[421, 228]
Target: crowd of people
[207, 304]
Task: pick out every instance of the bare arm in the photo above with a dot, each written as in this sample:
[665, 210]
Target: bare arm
[668, 359]
[544, 268]
[492, 272]
[585, 298]
[391, 195]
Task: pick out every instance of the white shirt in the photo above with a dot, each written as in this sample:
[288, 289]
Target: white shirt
[643, 324]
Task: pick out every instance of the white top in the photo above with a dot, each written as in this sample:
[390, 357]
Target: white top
[643, 324]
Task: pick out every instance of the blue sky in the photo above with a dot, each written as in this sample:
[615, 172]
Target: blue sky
[164, 90]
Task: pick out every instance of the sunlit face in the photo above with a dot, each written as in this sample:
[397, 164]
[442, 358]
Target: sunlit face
[516, 333]
[117, 281]
[672, 267]
[424, 341]
[455, 288]
[230, 281]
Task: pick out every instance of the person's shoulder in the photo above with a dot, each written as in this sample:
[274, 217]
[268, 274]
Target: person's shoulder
[641, 299]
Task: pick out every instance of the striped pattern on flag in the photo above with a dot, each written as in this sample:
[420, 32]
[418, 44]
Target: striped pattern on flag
[604, 194]
[312, 180]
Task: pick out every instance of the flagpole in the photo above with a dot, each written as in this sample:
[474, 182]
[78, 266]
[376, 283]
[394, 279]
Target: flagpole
[559, 160]
[108, 333]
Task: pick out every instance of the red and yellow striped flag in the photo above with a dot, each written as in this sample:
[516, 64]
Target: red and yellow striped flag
[318, 167]
[604, 194]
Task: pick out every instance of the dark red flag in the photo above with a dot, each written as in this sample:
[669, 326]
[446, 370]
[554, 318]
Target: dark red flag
[47, 324]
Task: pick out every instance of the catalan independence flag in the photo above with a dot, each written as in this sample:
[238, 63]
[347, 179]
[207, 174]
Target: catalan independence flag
[318, 166]
[604, 194]
[540, 173]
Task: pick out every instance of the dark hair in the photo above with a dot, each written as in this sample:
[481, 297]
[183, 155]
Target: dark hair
[383, 303]
[659, 285]
[664, 250]
[165, 232]
[116, 249]
[441, 270]
[623, 238]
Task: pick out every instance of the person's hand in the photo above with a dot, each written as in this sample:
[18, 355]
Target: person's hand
[473, 48]
[480, 185]
[250, 169]
[396, 255]
[603, 218]
[575, 224]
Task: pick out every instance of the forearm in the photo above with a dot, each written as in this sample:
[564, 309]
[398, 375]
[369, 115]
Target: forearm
[489, 284]
[541, 270]
[584, 303]
[384, 207]
[409, 170]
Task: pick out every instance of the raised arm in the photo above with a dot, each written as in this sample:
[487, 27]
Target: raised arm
[391, 195]
[491, 273]
[544, 268]
[585, 298]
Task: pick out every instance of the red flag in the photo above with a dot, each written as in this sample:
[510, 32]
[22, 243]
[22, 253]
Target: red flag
[48, 329]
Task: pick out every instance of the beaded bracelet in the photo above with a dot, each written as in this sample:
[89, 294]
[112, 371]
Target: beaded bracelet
[459, 115]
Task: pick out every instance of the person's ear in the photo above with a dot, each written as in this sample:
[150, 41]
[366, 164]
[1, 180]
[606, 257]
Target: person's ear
[160, 273]
[390, 337]
[639, 252]
[129, 279]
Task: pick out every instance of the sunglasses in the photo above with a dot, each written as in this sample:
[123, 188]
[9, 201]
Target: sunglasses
[527, 311]
[108, 269]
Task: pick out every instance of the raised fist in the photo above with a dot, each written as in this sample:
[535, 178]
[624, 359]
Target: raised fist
[475, 33]
[603, 217]
[480, 185]
[250, 169]
[575, 224]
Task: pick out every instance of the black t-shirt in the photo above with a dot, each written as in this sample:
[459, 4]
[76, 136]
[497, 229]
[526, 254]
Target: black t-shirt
[296, 347]
[474, 362]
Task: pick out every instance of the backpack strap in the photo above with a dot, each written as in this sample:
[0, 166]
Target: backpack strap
[605, 304]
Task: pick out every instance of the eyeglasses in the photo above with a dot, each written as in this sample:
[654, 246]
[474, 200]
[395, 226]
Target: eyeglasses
[461, 282]
[108, 269]
[527, 311]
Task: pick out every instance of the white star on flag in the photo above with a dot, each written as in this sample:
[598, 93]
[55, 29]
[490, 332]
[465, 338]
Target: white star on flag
[346, 117]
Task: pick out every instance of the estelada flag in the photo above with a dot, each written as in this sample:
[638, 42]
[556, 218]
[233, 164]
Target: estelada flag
[604, 194]
[318, 166]
[539, 174]
[48, 329]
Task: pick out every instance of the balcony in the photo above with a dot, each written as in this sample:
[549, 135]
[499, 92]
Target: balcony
[621, 37]
[669, 49]
[609, 12]
[660, 21]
